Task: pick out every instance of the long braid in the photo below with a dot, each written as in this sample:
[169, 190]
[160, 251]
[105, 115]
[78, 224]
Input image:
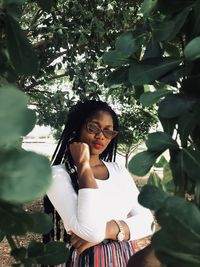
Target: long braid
[76, 118]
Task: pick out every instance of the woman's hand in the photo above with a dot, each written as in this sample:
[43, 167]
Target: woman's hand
[80, 153]
[80, 244]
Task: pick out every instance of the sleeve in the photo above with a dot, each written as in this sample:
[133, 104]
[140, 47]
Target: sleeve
[82, 213]
[140, 219]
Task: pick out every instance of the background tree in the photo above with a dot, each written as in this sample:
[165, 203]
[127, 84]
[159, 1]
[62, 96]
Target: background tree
[163, 50]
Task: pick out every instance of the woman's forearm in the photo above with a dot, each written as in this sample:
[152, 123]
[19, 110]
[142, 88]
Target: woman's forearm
[112, 230]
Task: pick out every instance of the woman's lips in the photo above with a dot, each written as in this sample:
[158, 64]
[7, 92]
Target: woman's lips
[98, 145]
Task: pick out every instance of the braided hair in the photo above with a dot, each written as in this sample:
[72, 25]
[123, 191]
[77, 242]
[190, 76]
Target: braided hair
[77, 116]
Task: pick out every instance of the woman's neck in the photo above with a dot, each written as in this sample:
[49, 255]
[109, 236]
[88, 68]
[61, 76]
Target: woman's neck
[95, 161]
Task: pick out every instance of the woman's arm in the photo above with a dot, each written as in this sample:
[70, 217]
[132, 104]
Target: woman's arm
[80, 213]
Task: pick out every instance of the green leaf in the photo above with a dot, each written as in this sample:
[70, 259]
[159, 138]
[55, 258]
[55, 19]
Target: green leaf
[186, 124]
[14, 221]
[175, 105]
[20, 50]
[154, 180]
[180, 245]
[127, 43]
[161, 162]
[16, 119]
[115, 58]
[191, 163]
[149, 98]
[151, 69]
[168, 125]
[147, 7]
[152, 197]
[160, 141]
[45, 5]
[141, 163]
[167, 30]
[153, 49]
[35, 249]
[172, 49]
[14, 9]
[52, 253]
[24, 176]
[177, 168]
[19, 253]
[173, 6]
[192, 49]
[41, 223]
[117, 77]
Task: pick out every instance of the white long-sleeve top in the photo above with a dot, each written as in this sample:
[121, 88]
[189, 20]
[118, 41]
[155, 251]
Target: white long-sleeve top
[87, 213]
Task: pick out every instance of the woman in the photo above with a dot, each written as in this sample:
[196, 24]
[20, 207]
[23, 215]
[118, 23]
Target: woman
[96, 197]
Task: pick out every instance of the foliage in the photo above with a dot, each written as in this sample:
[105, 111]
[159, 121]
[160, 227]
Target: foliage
[69, 39]
[24, 175]
[162, 50]
[135, 123]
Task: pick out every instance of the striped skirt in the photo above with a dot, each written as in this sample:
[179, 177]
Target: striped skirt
[111, 254]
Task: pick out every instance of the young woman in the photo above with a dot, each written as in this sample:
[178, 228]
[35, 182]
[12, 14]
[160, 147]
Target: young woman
[95, 196]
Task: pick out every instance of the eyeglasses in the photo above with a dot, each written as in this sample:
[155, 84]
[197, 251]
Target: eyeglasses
[94, 129]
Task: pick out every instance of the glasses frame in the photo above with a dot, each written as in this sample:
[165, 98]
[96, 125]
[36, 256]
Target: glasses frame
[99, 130]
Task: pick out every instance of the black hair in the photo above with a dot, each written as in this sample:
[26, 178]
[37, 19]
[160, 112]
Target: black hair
[76, 118]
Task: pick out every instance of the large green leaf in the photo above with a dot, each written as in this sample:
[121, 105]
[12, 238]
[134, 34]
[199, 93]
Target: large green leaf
[117, 77]
[15, 120]
[147, 7]
[186, 124]
[52, 253]
[175, 105]
[160, 141]
[168, 125]
[180, 245]
[177, 168]
[115, 58]
[24, 176]
[152, 197]
[14, 221]
[20, 50]
[154, 180]
[192, 49]
[151, 69]
[153, 49]
[41, 223]
[167, 30]
[127, 43]
[173, 6]
[149, 98]
[191, 163]
[141, 163]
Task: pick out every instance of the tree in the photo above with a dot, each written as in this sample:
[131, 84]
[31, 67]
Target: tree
[135, 124]
[69, 39]
[162, 50]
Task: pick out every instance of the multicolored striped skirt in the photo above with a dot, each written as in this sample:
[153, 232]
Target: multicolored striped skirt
[110, 254]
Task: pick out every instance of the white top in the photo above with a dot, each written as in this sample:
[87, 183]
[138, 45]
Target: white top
[87, 213]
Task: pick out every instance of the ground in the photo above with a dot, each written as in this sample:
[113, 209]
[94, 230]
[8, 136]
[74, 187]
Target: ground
[6, 260]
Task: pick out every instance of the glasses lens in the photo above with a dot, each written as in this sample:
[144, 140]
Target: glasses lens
[92, 128]
[109, 134]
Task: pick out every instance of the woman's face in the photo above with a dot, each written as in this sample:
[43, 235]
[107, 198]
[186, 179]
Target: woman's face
[91, 135]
